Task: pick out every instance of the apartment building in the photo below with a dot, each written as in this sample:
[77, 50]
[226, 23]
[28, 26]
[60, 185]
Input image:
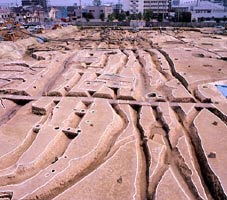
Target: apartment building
[136, 6]
[4, 14]
[133, 6]
[157, 6]
[42, 3]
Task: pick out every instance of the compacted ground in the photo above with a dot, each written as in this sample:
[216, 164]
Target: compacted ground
[111, 114]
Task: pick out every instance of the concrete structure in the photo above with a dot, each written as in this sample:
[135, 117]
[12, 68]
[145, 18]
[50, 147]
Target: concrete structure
[29, 14]
[133, 6]
[42, 3]
[139, 6]
[98, 10]
[137, 23]
[225, 4]
[5, 14]
[207, 10]
[157, 6]
[58, 12]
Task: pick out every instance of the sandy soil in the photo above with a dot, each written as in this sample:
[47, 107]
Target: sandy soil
[99, 114]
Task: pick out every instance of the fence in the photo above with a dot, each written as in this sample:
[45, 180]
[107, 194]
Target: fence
[154, 24]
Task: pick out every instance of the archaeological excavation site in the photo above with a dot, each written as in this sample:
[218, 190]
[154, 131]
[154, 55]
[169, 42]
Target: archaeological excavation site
[103, 114]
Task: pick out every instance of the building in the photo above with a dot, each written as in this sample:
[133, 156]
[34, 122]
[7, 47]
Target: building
[5, 14]
[28, 15]
[98, 10]
[208, 11]
[157, 6]
[133, 6]
[140, 6]
[42, 3]
[202, 10]
[225, 4]
[117, 8]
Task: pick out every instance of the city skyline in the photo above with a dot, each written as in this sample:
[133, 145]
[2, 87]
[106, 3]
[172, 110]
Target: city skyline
[59, 2]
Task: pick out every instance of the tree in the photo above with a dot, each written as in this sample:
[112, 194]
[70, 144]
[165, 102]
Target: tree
[121, 16]
[139, 16]
[202, 19]
[185, 17]
[147, 15]
[97, 2]
[88, 16]
[102, 17]
[111, 17]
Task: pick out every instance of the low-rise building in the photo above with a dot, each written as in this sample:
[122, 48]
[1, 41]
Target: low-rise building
[28, 14]
[202, 10]
[98, 10]
[5, 14]
[208, 10]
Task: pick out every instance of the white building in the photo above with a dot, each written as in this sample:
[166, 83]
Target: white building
[4, 15]
[98, 10]
[206, 9]
[133, 6]
[137, 6]
[157, 6]
[202, 9]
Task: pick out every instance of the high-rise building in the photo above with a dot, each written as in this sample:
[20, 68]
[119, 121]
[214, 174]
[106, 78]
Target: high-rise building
[225, 4]
[157, 6]
[42, 3]
[136, 6]
[133, 6]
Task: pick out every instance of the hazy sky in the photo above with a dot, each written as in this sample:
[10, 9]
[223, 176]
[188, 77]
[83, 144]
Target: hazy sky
[60, 2]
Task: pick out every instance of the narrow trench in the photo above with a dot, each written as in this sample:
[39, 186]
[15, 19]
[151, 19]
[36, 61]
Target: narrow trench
[115, 90]
[143, 74]
[219, 114]
[145, 147]
[127, 56]
[176, 161]
[9, 115]
[173, 70]
[62, 69]
[165, 127]
[211, 180]
[157, 64]
[179, 160]
[168, 154]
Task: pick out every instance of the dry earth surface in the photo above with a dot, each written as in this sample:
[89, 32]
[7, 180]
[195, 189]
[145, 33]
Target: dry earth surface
[98, 114]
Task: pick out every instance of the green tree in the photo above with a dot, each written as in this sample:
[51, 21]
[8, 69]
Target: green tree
[97, 2]
[88, 16]
[185, 17]
[102, 17]
[121, 16]
[139, 16]
[111, 17]
[147, 15]
[132, 17]
[202, 19]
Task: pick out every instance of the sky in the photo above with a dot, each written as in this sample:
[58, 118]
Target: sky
[60, 2]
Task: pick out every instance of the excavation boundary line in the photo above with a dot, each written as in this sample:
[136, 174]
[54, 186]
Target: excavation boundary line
[21, 98]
